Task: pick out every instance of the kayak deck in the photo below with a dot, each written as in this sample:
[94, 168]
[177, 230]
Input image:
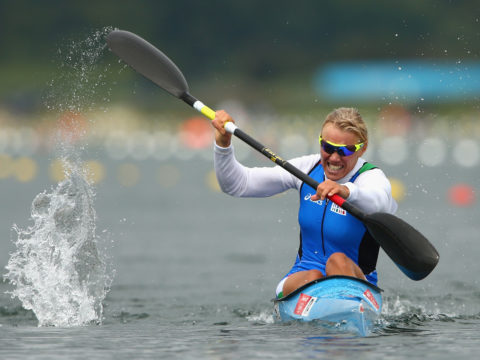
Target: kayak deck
[348, 303]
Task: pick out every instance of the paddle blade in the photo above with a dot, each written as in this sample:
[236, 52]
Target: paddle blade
[406, 246]
[148, 61]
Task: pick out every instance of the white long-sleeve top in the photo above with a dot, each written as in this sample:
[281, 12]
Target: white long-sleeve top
[370, 192]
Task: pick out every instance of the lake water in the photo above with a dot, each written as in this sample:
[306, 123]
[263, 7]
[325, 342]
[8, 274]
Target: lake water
[195, 270]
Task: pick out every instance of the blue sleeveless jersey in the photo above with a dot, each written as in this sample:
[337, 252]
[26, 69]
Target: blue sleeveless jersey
[325, 228]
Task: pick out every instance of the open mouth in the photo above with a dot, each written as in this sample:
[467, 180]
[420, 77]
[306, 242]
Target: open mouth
[334, 168]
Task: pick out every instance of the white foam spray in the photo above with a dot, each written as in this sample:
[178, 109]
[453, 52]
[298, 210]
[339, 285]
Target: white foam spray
[57, 269]
[60, 269]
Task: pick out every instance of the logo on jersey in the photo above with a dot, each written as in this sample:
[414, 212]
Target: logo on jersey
[337, 209]
[308, 196]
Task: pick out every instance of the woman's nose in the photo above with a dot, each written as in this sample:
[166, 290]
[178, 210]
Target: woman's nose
[335, 156]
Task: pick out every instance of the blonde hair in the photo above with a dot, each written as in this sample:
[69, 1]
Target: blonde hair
[348, 119]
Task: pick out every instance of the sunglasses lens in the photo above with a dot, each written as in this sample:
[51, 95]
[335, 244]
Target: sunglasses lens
[329, 149]
[347, 150]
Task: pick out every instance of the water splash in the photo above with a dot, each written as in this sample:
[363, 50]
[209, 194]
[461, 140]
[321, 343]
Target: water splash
[264, 317]
[80, 81]
[411, 313]
[59, 270]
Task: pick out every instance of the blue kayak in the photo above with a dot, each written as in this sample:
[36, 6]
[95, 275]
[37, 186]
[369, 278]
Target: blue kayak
[343, 302]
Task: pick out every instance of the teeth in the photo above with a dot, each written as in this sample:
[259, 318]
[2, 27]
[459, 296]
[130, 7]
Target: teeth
[334, 167]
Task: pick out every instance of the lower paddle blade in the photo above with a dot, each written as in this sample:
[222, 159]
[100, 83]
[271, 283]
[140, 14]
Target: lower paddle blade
[148, 61]
[407, 247]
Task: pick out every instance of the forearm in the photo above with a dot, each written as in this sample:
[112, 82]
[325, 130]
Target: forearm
[231, 175]
[372, 193]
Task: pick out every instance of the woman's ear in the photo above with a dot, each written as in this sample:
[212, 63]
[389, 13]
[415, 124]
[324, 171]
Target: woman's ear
[363, 149]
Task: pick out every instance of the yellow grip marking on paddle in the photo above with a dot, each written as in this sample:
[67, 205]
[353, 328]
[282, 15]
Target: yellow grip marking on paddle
[208, 112]
[272, 155]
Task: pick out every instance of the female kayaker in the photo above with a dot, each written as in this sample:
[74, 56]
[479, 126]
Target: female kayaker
[332, 242]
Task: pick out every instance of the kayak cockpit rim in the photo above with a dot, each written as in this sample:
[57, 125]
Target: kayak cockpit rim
[301, 288]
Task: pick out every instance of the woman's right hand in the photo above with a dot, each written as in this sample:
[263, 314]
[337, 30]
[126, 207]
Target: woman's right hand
[222, 137]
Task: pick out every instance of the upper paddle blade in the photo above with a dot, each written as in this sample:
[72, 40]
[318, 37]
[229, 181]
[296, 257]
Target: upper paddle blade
[148, 61]
[406, 246]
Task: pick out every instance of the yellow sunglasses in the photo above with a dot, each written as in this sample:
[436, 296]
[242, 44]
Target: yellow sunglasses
[342, 150]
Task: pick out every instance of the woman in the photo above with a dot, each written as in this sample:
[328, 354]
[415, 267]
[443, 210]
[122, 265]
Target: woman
[332, 242]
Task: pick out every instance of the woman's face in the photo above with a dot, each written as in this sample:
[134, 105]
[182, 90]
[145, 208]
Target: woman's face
[336, 166]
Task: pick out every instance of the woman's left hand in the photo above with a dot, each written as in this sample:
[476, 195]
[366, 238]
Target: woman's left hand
[329, 188]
